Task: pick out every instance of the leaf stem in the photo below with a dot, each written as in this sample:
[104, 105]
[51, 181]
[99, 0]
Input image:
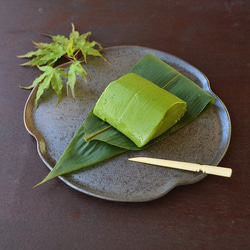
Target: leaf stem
[88, 138]
[64, 64]
[76, 54]
[47, 35]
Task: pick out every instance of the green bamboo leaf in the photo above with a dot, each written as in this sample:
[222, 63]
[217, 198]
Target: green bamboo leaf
[97, 129]
[105, 142]
[165, 76]
[80, 153]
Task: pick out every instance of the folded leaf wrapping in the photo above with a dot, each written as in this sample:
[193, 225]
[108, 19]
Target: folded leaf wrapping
[155, 70]
[138, 108]
[103, 141]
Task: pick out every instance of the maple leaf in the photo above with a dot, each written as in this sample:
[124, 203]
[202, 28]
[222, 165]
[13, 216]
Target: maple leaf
[59, 39]
[74, 70]
[87, 48]
[52, 77]
[47, 54]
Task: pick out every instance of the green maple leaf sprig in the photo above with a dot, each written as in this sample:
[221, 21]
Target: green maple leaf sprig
[48, 54]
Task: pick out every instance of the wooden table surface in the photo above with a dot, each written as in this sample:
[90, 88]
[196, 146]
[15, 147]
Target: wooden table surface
[211, 214]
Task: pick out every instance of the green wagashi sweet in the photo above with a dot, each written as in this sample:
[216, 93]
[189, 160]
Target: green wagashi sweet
[138, 108]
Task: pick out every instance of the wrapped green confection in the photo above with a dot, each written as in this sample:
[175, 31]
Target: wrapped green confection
[138, 108]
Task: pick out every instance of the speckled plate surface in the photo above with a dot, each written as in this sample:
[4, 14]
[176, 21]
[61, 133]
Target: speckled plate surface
[204, 141]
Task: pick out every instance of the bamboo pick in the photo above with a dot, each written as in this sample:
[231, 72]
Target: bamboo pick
[220, 171]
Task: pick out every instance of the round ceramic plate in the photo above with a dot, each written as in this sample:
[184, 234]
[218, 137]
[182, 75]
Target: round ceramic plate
[204, 141]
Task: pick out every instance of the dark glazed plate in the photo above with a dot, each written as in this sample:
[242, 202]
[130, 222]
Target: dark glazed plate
[204, 141]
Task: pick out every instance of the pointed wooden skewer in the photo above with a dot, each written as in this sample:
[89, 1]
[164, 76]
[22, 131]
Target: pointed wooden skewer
[220, 171]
